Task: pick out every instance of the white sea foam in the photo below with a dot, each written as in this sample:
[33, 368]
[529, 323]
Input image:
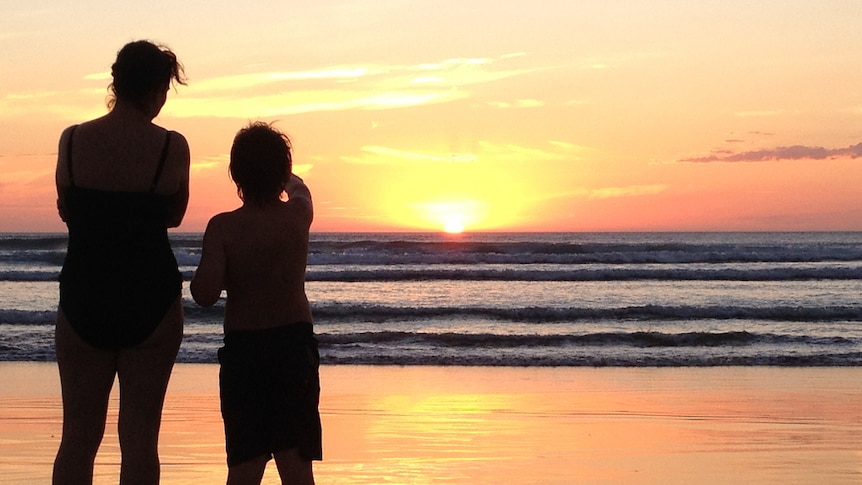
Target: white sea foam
[525, 299]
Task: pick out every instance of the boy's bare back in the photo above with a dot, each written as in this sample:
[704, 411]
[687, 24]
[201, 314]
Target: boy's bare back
[258, 253]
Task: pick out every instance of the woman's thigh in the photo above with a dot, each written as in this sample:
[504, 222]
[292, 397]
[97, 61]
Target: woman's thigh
[144, 370]
[86, 378]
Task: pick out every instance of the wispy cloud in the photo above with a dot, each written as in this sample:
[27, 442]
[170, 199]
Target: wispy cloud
[78, 104]
[375, 155]
[258, 79]
[207, 163]
[98, 76]
[275, 92]
[337, 88]
[628, 191]
[559, 150]
[301, 102]
[486, 151]
[606, 192]
[795, 152]
[520, 103]
[423, 157]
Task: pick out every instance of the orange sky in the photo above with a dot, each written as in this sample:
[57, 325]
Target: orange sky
[508, 115]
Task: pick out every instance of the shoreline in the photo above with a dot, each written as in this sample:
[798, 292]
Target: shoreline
[498, 425]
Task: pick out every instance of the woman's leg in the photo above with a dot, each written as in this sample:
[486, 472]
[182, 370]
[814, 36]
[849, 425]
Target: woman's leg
[143, 373]
[86, 377]
[294, 469]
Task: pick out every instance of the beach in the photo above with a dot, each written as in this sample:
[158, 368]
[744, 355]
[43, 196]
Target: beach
[432, 424]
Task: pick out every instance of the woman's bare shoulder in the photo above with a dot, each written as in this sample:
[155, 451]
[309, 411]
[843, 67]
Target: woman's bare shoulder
[179, 147]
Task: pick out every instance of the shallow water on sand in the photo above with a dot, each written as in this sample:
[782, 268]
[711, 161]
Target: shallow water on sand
[427, 424]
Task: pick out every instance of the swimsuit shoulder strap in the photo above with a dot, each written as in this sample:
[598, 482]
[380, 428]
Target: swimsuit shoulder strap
[69, 155]
[162, 160]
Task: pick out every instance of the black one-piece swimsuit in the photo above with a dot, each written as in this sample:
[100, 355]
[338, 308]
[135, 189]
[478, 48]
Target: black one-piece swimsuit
[120, 275]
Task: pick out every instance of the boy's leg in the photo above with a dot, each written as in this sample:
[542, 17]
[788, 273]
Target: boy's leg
[294, 469]
[248, 472]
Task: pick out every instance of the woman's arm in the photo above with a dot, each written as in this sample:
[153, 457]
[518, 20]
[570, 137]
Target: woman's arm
[61, 175]
[180, 199]
[178, 204]
[209, 279]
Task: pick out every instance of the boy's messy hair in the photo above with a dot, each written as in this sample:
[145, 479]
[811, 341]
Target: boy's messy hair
[260, 163]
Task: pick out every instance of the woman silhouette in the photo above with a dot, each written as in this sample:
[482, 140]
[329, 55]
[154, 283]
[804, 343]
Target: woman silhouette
[122, 181]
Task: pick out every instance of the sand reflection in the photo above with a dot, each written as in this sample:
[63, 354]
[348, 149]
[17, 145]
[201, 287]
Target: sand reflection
[417, 425]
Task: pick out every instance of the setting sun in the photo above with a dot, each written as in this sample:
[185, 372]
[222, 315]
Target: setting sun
[454, 217]
[454, 227]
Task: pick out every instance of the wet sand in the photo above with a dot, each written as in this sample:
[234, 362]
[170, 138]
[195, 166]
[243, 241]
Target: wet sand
[415, 425]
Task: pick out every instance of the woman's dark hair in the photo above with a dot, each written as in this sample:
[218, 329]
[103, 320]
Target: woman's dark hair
[260, 162]
[141, 69]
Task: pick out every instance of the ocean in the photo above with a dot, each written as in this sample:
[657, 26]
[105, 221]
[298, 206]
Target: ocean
[523, 299]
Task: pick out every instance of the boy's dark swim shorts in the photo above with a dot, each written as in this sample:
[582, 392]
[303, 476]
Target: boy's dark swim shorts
[270, 390]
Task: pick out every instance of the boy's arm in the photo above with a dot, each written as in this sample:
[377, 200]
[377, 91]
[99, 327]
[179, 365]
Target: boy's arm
[209, 279]
[298, 193]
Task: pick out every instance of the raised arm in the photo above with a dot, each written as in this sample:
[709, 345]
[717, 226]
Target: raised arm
[298, 193]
